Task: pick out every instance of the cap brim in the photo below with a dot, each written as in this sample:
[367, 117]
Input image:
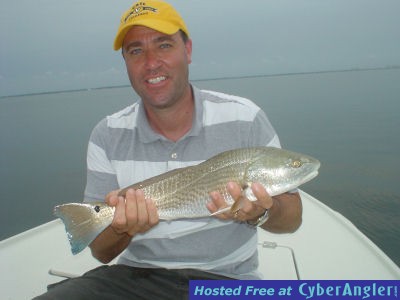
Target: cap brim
[158, 25]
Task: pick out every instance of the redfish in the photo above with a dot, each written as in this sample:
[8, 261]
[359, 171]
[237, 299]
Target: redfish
[183, 193]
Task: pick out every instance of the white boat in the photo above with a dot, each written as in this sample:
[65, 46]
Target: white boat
[326, 246]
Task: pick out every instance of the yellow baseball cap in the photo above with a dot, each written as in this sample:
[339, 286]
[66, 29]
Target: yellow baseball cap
[155, 14]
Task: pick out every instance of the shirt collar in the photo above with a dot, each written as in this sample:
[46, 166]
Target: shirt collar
[148, 135]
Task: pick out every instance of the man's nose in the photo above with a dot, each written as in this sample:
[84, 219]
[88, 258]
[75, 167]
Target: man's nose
[152, 60]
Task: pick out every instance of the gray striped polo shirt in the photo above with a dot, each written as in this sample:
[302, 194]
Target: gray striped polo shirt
[123, 149]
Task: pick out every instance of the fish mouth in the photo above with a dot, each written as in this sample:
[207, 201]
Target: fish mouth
[314, 172]
[311, 176]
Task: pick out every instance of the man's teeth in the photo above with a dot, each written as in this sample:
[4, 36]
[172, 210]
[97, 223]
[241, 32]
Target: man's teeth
[156, 80]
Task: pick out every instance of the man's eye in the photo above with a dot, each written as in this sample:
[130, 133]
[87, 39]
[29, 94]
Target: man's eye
[134, 51]
[165, 46]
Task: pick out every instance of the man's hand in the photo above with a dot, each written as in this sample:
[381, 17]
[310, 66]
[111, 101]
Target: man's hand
[285, 210]
[247, 210]
[133, 214]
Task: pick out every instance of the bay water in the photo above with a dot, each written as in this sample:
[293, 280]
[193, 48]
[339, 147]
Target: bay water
[349, 120]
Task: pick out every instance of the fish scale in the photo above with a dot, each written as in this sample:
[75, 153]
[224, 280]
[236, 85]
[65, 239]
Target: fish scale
[184, 193]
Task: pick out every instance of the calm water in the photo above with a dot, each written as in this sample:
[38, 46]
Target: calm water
[349, 120]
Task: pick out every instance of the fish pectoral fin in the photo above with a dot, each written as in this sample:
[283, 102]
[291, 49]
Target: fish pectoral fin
[237, 205]
[248, 193]
[221, 211]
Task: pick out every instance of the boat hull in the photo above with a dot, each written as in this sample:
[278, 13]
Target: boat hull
[326, 246]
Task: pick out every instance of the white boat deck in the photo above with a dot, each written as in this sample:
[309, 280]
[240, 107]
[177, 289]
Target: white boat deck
[327, 246]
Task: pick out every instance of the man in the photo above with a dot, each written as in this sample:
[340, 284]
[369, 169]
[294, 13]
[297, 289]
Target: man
[173, 125]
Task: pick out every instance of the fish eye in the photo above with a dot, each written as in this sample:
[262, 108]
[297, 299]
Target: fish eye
[97, 208]
[296, 164]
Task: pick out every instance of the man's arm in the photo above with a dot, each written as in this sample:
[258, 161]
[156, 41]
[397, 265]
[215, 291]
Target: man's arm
[133, 214]
[285, 215]
[285, 210]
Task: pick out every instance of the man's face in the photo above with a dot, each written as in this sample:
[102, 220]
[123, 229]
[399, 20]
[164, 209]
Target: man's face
[157, 65]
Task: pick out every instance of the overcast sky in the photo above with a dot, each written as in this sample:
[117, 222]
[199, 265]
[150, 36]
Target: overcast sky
[52, 45]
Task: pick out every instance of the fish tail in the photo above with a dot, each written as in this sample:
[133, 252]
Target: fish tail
[79, 225]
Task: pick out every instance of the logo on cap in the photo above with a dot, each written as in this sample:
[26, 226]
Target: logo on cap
[139, 9]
